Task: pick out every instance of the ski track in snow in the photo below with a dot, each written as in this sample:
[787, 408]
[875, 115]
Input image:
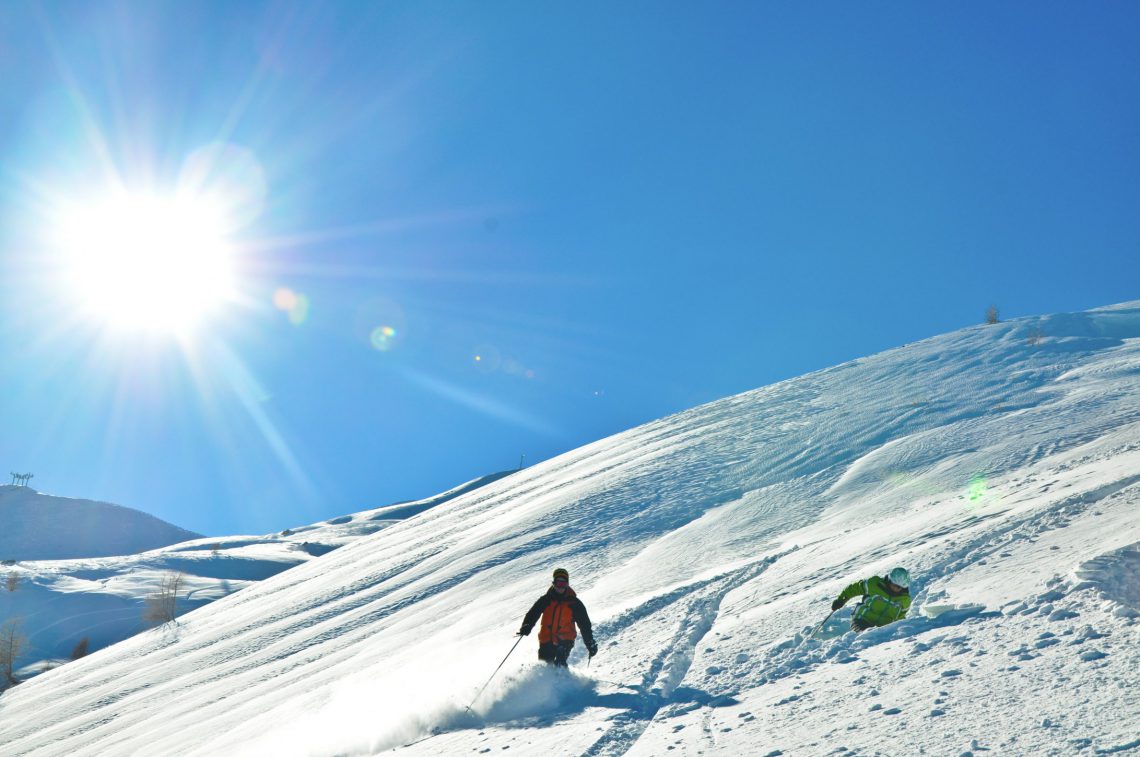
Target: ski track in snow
[706, 546]
[668, 668]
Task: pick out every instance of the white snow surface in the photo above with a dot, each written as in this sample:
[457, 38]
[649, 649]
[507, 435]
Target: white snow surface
[58, 603]
[1000, 464]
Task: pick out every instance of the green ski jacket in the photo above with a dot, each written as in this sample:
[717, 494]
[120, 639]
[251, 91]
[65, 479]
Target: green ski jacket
[879, 606]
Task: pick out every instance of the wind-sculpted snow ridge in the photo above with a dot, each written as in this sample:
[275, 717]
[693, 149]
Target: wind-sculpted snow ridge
[1000, 464]
[1116, 577]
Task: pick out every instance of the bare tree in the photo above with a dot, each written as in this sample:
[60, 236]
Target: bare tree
[80, 649]
[12, 644]
[162, 604]
[992, 314]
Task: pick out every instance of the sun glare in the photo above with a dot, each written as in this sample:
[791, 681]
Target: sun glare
[147, 263]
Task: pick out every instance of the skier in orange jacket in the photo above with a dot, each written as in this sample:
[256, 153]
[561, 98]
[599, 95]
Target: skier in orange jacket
[560, 609]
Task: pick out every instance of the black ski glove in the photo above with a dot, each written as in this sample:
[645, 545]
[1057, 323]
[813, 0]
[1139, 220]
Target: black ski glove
[524, 631]
[592, 647]
[837, 604]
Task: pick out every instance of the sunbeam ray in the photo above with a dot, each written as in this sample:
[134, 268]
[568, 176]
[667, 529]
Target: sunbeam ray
[482, 404]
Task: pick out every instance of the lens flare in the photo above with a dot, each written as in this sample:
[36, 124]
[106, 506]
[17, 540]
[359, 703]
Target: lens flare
[383, 338]
[380, 322]
[487, 358]
[977, 489]
[284, 299]
[299, 313]
[293, 304]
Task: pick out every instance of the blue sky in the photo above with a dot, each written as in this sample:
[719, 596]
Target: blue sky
[571, 219]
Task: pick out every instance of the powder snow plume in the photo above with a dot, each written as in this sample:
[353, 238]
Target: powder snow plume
[408, 709]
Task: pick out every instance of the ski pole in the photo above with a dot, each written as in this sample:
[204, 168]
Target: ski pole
[520, 638]
[821, 623]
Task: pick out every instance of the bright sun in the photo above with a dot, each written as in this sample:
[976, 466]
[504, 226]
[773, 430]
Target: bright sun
[148, 263]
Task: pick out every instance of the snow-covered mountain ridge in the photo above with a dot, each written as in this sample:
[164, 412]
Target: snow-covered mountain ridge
[1000, 464]
[42, 527]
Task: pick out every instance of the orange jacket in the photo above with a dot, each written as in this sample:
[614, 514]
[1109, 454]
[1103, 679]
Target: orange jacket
[560, 613]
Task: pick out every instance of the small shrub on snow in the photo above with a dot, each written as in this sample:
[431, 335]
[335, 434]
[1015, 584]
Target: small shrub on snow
[162, 605]
[80, 649]
[12, 643]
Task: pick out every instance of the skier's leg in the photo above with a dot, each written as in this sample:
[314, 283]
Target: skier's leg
[548, 653]
[563, 653]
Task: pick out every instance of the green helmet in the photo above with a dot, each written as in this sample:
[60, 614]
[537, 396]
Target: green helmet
[899, 577]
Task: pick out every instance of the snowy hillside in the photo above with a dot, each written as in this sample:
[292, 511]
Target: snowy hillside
[42, 527]
[1000, 464]
[59, 603]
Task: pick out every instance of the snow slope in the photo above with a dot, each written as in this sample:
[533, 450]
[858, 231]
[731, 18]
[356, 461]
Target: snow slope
[1001, 464]
[61, 602]
[42, 527]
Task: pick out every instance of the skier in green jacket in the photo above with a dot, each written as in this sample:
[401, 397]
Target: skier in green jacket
[885, 599]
